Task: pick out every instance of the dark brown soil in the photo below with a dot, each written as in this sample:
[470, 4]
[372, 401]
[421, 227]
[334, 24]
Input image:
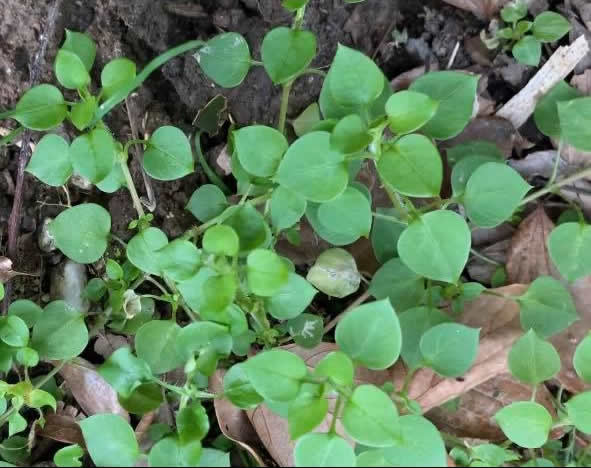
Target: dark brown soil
[141, 29]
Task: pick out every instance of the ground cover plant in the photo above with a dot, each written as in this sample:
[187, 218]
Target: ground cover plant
[219, 300]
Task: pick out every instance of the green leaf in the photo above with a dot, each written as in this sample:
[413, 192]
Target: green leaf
[493, 193]
[60, 333]
[307, 330]
[287, 52]
[436, 246]
[27, 310]
[493, 455]
[395, 281]
[371, 418]
[198, 336]
[292, 299]
[412, 166]
[259, 149]
[266, 272]
[41, 108]
[293, 5]
[93, 154]
[14, 331]
[474, 148]
[574, 116]
[207, 202]
[579, 411]
[533, 360]
[69, 456]
[463, 170]
[385, 234]
[378, 347]
[525, 423]
[82, 112]
[114, 180]
[82, 45]
[350, 135]
[116, 74]
[221, 240]
[414, 323]
[110, 440]
[323, 450]
[546, 113]
[214, 458]
[305, 414]
[155, 343]
[225, 59]
[546, 307]
[455, 92]
[192, 423]
[50, 161]
[420, 444]
[170, 452]
[307, 120]
[82, 232]
[16, 424]
[338, 367]
[550, 27]
[27, 357]
[168, 155]
[141, 248]
[125, 372]
[327, 231]
[218, 293]
[276, 375]
[250, 226]
[239, 390]
[528, 51]
[70, 70]
[335, 273]
[449, 349]
[514, 11]
[582, 359]
[312, 169]
[569, 246]
[353, 80]
[408, 111]
[349, 214]
[39, 398]
[287, 208]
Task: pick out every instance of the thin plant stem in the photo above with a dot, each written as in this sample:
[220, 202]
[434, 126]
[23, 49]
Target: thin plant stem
[130, 143]
[392, 219]
[556, 185]
[484, 257]
[130, 185]
[556, 163]
[156, 63]
[284, 106]
[211, 175]
[335, 415]
[357, 302]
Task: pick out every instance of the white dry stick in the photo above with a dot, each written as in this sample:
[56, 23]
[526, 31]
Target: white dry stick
[562, 62]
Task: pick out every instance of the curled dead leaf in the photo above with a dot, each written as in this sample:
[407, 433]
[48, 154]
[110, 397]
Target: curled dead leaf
[233, 421]
[61, 428]
[90, 390]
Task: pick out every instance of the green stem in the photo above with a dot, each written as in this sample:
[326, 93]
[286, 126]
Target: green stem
[389, 218]
[284, 105]
[130, 143]
[556, 163]
[335, 415]
[130, 185]
[312, 71]
[211, 175]
[408, 380]
[11, 136]
[172, 388]
[484, 258]
[556, 185]
[299, 18]
[192, 315]
[156, 63]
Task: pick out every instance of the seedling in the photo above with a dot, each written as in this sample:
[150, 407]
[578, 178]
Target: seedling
[204, 301]
[523, 37]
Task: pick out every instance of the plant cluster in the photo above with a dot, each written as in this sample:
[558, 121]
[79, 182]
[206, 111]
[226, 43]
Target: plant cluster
[523, 37]
[228, 289]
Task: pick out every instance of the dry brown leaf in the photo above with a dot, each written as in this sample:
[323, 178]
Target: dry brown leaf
[528, 257]
[582, 82]
[234, 422]
[91, 391]
[494, 129]
[107, 344]
[61, 428]
[6, 272]
[484, 9]
[473, 418]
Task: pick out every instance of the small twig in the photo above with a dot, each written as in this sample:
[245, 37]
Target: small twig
[560, 64]
[484, 258]
[14, 221]
[454, 54]
[138, 154]
[356, 303]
